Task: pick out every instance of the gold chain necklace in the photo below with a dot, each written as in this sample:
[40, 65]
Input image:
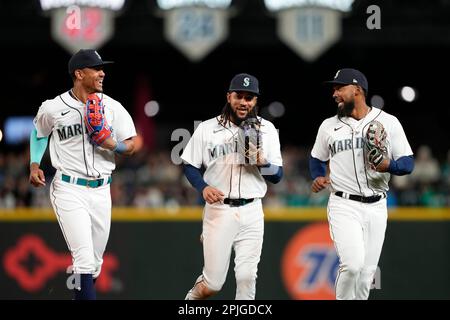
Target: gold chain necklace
[75, 96]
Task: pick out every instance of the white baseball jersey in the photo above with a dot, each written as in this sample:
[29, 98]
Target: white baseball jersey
[215, 147]
[341, 142]
[70, 149]
[83, 213]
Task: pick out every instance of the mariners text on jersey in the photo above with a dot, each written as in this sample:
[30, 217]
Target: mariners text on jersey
[344, 145]
[223, 149]
[66, 132]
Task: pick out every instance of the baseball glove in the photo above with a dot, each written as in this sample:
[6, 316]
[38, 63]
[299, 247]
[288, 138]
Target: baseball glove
[375, 144]
[250, 142]
[95, 120]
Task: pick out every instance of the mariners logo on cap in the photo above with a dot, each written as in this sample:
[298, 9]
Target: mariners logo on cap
[244, 82]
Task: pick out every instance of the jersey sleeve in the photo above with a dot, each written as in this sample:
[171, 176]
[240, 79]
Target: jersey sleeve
[123, 124]
[193, 152]
[273, 149]
[44, 120]
[399, 143]
[320, 149]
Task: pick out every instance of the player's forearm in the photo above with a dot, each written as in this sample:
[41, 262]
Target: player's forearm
[37, 147]
[272, 173]
[195, 177]
[317, 168]
[126, 147]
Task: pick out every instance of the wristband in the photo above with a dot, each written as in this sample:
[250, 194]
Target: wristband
[120, 147]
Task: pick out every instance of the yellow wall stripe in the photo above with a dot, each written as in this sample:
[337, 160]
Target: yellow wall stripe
[195, 214]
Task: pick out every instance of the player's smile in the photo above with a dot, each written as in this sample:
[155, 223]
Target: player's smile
[242, 112]
[337, 95]
[99, 77]
[100, 83]
[339, 102]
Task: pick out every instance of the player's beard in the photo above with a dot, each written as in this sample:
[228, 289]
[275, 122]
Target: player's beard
[346, 110]
[229, 115]
[237, 120]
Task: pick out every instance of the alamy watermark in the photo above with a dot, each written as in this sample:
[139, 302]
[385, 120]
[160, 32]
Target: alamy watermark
[74, 280]
[233, 151]
[376, 283]
[374, 20]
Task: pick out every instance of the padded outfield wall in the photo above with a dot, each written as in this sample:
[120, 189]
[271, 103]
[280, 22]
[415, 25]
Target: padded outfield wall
[156, 254]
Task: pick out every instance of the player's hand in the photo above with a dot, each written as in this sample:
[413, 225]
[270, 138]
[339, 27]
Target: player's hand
[320, 183]
[261, 161]
[211, 195]
[256, 153]
[383, 166]
[97, 127]
[37, 177]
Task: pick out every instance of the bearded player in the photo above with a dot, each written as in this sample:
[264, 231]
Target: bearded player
[232, 188]
[362, 147]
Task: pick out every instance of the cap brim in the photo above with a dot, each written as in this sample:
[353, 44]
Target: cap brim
[337, 82]
[102, 64]
[243, 90]
[344, 84]
[96, 65]
[90, 66]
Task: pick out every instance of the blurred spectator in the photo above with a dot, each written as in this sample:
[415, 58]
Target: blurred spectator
[426, 168]
[150, 179]
[446, 170]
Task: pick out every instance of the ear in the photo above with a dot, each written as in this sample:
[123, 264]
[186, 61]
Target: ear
[228, 96]
[360, 90]
[79, 74]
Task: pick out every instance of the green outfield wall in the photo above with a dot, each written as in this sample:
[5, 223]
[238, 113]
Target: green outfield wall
[157, 254]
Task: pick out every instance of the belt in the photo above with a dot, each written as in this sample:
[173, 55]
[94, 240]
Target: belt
[85, 182]
[237, 202]
[362, 199]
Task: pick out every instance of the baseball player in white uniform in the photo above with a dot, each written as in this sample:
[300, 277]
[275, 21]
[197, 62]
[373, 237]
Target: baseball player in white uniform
[357, 211]
[233, 217]
[80, 190]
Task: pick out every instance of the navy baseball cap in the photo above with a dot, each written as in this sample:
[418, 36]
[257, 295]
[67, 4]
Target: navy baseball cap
[350, 76]
[86, 58]
[244, 82]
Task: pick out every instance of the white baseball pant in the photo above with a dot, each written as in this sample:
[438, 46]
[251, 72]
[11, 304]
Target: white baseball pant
[357, 230]
[225, 228]
[84, 216]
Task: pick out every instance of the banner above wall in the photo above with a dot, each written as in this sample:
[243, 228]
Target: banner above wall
[195, 27]
[309, 27]
[77, 24]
